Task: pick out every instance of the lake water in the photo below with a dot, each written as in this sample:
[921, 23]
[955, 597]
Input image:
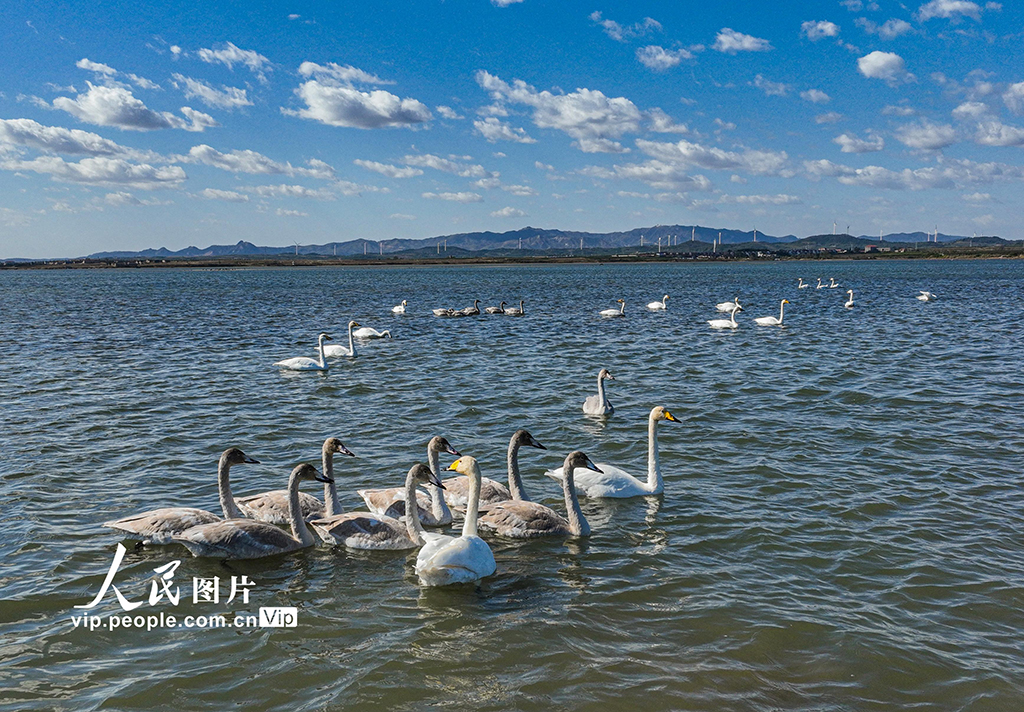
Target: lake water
[841, 527]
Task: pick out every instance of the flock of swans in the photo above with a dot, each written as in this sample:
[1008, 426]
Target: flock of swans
[396, 517]
[473, 310]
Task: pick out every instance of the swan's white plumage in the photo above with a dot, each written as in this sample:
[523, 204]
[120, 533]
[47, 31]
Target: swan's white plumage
[773, 320]
[729, 306]
[368, 332]
[849, 304]
[659, 306]
[400, 309]
[926, 296]
[304, 363]
[621, 311]
[729, 323]
[337, 351]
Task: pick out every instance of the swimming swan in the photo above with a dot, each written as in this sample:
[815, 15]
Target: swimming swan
[771, 320]
[496, 310]
[621, 311]
[368, 332]
[729, 323]
[598, 404]
[849, 304]
[272, 507]
[801, 285]
[819, 285]
[615, 482]
[444, 312]
[400, 309]
[335, 351]
[444, 559]
[433, 510]
[470, 311]
[659, 306]
[519, 519]
[157, 526]
[729, 306]
[366, 530]
[832, 283]
[492, 491]
[926, 296]
[516, 312]
[304, 363]
[249, 539]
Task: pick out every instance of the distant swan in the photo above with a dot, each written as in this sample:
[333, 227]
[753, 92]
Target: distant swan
[304, 363]
[516, 312]
[729, 306]
[615, 482]
[832, 283]
[621, 311]
[659, 306]
[470, 311]
[368, 332]
[729, 323]
[272, 507]
[366, 530]
[849, 304]
[249, 539]
[518, 519]
[819, 285]
[434, 511]
[445, 560]
[496, 310]
[598, 404]
[926, 296]
[400, 309]
[444, 312]
[336, 351]
[771, 320]
[157, 526]
[802, 285]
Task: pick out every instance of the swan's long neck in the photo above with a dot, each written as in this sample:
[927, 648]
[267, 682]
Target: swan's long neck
[412, 511]
[320, 348]
[602, 398]
[299, 529]
[438, 507]
[732, 317]
[472, 503]
[622, 308]
[515, 480]
[227, 500]
[351, 343]
[782, 306]
[653, 466]
[578, 524]
[332, 505]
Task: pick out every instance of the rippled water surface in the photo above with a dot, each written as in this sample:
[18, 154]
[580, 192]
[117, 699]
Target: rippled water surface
[841, 527]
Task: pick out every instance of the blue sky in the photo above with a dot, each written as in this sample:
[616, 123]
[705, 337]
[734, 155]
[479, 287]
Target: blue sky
[125, 126]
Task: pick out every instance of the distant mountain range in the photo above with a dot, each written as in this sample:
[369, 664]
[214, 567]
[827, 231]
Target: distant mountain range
[669, 237]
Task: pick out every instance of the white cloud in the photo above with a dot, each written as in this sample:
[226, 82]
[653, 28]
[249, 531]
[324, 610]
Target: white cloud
[724, 126]
[504, 3]
[926, 136]
[621, 33]
[487, 183]
[970, 110]
[401, 216]
[829, 117]
[657, 174]
[229, 196]
[852, 144]
[815, 96]
[197, 120]
[996, 133]
[122, 198]
[663, 123]
[543, 166]
[1013, 97]
[778, 199]
[56, 139]
[388, 170]
[224, 98]
[887, 66]
[977, 197]
[951, 174]
[251, 162]
[522, 191]
[889, 30]
[693, 154]
[456, 197]
[494, 130]
[229, 55]
[659, 59]
[282, 212]
[731, 42]
[447, 165]
[346, 74]
[508, 212]
[820, 29]
[96, 67]
[116, 106]
[292, 191]
[101, 170]
[769, 87]
[599, 145]
[447, 112]
[892, 110]
[949, 10]
[336, 105]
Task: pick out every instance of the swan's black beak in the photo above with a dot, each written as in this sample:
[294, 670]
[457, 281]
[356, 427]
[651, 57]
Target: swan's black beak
[327, 338]
[452, 451]
[323, 478]
[435, 480]
[591, 466]
[534, 443]
[345, 451]
[251, 460]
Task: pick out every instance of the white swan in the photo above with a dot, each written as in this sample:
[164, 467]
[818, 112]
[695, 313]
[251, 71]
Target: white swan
[729, 306]
[516, 312]
[304, 363]
[849, 304]
[801, 284]
[621, 311]
[400, 309]
[492, 491]
[444, 312]
[157, 526]
[926, 296]
[366, 530]
[615, 482]
[496, 310]
[832, 283]
[659, 306]
[249, 539]
[518, 519]
[470, 311]
[445, 560]
[337, 351]
[771, 320]
[598, 404]
[819, 285]
[433, 509]
[368, 332]
[272, 506]
[729, 323]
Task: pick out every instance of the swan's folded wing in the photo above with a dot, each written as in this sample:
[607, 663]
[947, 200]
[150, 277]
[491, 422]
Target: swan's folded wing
[523, 520]
[158, 526]
[378, 500]
[363, 530]
[272, 507]
[236, 539]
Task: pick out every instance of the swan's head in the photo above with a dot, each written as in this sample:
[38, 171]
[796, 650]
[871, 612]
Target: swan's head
[354, 324]
[660, 413]
[440, 444]
[465, 465]
[577, 459]
[664, 298]
[523, 437]
[234, 456]
[404, 302]
[305, 471]
[335, 445]
[422, 474]
[324, 337]
[605, 374]
[850, 292]
[785, 301]
[621, 301]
